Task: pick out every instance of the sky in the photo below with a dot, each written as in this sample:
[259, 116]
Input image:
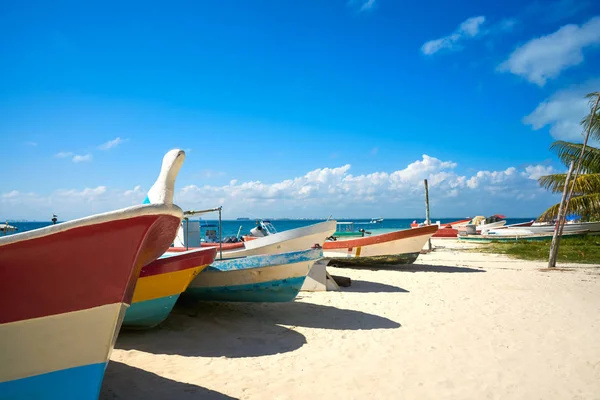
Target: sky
[292, 108]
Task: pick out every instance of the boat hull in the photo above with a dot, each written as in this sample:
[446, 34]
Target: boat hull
[518, 238]
[283, 242]
[405, 245]
[160, 284]
[57, 342]
[269, 278]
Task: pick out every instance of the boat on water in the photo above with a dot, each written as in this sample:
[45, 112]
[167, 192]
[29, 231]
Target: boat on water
[348, 228]
[259, 278]
[64, 290]
[398, 247]
[160, 284]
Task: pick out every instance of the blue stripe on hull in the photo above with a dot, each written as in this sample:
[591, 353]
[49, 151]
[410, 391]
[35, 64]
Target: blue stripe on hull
[272, 291]
[149, 313]
[79, 383]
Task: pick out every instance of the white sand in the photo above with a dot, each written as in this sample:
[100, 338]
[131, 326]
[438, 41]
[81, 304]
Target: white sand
[456, 325]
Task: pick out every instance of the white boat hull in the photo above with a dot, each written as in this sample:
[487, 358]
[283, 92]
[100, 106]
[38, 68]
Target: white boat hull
[406, 244]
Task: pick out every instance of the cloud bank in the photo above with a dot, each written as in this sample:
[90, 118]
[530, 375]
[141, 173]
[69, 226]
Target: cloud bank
[320, 193]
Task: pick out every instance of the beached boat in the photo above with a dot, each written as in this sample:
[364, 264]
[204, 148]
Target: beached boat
[399, 247]
[264, 278]
[64, 290]
[591, 227]
[279, 242]
[517, 238]
[448, 230]
[160, 284]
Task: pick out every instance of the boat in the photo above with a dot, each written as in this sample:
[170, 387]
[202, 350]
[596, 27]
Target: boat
[448, 230]
[376, 220]
[160, 284]
[519, 225]
[344, 229]
[490, 238]
[275, 242]
[398, 247]
[591, 227]
[64, 290]
[261, 278]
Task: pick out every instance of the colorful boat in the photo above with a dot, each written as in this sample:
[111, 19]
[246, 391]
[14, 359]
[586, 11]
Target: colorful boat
[264, 278]
[64, 290]
[278, 242]
[399, 247]
[160, 284]
[448, 230]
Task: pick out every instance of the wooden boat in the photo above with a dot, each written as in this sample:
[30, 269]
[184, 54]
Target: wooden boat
[160, 284]
[263, 278]
[64, 290]
[280, 242]
[517, 238]
[591, 227]
[448, 230]
[399, 247]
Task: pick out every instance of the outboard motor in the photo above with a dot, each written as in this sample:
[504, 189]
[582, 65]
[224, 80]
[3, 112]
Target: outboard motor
[258, 231]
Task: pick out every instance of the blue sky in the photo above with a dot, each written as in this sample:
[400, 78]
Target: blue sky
[296, 109]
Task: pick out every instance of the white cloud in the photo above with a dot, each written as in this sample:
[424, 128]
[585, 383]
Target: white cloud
[322, 192]
[367, 5]
[563, 112]
[209, 173]
[546, 57]
[111, 143]
[470, 28]
[82, 158]
[362, 5]
[33, 144]
[63, 154]
[537, 171]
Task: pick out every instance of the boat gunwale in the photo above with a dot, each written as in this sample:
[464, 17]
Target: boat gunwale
[383, 238]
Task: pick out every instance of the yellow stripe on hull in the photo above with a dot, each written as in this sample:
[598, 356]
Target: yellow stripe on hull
[162, 285]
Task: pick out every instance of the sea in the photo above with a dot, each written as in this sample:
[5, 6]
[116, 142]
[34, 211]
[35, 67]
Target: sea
[232, 227]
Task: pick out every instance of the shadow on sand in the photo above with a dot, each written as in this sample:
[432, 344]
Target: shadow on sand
[122, 381]
[359, 286]
[415, 268]
[213, 329]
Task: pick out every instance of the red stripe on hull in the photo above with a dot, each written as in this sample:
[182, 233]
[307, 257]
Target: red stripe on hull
[80, 268]
[180, 262]
[386, 237]
[226, 246]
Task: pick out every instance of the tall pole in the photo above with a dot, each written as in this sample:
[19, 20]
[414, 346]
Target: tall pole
[427, 220]
[561, 209]
[220, 236]
[561, 222]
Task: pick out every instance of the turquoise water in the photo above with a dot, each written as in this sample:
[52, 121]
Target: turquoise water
[230, 228]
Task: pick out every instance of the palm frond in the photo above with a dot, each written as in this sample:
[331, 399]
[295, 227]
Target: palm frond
[585, 184]
[585, 122]
[568, 151]
[585, 205]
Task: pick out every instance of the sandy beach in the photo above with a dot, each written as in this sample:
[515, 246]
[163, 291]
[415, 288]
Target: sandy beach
[455, 325]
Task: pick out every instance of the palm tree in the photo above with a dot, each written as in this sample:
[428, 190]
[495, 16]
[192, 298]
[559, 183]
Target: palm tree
[586, 193]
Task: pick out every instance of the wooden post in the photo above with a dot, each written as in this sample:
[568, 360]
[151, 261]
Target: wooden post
[557, 231]
[427, 220]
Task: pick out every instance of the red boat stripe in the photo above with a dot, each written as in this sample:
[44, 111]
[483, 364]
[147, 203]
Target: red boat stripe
[180, 262]
[385, 237]
[80, 268]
